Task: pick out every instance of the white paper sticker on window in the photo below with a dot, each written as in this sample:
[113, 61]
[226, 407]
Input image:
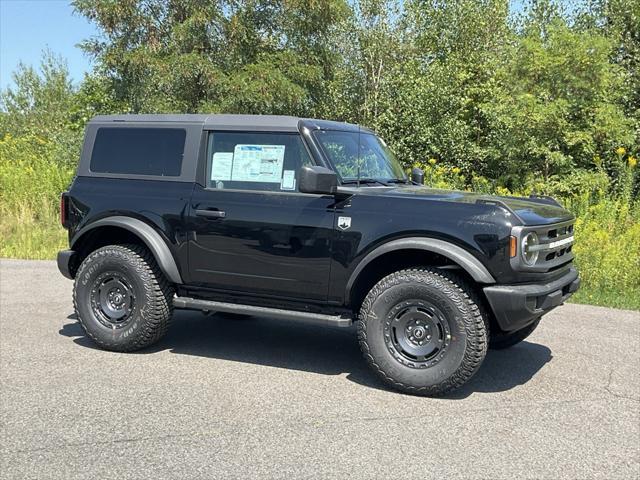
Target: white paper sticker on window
[257, 163]
[221, 166]
[288, 180]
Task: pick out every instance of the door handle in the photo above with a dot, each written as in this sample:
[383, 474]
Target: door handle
[211, 213]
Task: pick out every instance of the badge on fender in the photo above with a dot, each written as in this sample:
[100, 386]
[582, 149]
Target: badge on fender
[344, 223]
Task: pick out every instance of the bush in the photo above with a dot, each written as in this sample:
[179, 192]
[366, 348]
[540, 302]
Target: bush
[31, 180]
[607, 253]
[607, 247]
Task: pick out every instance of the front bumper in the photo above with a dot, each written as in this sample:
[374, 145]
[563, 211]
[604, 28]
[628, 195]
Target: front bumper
[515, 306]
[65, 259]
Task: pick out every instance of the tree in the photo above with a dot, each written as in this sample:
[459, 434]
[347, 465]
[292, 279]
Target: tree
[251, 56]
[370, 44]
[435, 105]
[566, 97]
[39, 101]
[38, 110]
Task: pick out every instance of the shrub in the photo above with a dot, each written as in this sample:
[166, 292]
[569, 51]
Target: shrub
[31, 180]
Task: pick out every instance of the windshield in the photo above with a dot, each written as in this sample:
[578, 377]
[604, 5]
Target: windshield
[359, 155]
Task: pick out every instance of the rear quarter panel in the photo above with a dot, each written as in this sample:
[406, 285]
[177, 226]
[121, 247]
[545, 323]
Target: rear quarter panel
[161, 204]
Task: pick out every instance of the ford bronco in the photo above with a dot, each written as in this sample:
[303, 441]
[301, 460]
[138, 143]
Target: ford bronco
[307, 220]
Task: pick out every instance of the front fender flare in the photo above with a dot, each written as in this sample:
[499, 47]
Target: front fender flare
[147, 234]
[457, 254]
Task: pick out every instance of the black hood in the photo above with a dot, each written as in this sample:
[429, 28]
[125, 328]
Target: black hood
[531, 211]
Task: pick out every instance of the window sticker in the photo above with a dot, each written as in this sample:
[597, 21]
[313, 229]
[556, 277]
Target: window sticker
[257, 163]
[288, 180]
[221, 166]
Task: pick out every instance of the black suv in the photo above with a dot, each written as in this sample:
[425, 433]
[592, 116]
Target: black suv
[310, 220]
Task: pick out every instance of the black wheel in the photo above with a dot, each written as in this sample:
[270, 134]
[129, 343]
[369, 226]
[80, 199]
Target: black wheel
[422, 332]
[121, 298]
[501, 340]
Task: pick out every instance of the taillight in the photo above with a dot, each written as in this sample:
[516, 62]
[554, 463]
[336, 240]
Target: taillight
[63, 210]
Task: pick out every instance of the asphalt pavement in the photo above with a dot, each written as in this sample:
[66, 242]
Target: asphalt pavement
[265, 398]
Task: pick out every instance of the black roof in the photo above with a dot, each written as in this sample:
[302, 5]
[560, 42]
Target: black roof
[234, 122]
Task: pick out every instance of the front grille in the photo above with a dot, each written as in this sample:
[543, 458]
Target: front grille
[555, 246]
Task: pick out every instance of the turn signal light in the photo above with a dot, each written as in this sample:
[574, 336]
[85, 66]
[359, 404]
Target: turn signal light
[513, 246]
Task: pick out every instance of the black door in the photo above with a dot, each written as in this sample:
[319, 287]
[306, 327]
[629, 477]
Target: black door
[252, 231]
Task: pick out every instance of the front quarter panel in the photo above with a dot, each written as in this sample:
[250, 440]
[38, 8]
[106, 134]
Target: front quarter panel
[480, 229]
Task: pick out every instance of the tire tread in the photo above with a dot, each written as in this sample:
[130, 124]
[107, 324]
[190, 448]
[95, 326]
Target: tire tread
[159, 305]
[477, 328]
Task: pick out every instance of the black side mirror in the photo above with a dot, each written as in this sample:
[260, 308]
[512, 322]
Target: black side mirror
[417, 176]
[317, 180]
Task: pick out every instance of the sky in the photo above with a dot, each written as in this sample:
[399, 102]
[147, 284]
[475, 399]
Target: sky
[27, 27]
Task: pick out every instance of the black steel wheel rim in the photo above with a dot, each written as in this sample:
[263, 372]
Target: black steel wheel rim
[112, 299]
[417, 333]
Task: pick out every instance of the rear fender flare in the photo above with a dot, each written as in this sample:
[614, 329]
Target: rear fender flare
[147, 234]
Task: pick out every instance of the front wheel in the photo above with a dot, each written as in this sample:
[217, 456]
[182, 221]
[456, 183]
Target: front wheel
[121, 298]
[422, 332]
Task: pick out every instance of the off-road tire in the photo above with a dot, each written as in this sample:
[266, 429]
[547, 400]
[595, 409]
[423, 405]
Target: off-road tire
[502, 340]
[456, 302]
[152, 298]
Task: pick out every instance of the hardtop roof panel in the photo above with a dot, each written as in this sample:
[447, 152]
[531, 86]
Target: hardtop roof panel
[234, 121]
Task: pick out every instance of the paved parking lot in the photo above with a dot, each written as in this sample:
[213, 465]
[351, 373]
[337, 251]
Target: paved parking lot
[264, 398]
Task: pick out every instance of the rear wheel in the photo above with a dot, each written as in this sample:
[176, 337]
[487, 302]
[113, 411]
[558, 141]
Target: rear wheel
[422, 332]
[501, 340]
[121, 298]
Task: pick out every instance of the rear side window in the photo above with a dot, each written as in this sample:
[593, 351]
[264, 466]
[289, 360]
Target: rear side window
[139, 151]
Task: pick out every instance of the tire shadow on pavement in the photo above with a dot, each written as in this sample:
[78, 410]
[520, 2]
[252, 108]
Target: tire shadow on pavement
[323, 350]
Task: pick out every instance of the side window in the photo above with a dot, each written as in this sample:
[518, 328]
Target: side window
[138, 151]
[255, 161]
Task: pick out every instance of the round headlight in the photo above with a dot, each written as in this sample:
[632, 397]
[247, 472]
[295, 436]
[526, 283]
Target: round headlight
[529, 240]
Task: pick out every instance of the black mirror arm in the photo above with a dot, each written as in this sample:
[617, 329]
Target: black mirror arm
[342, 192]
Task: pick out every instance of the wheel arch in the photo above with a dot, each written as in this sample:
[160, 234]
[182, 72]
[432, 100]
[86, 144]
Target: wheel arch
[140, 230]
[405, 252]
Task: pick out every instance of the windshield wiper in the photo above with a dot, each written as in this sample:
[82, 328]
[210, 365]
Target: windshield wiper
[397, 180]
[364, 181]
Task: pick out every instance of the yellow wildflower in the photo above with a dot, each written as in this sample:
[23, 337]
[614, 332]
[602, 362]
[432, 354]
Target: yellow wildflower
[455, 170]
[621, 151]
[432, 161]
[633, 161]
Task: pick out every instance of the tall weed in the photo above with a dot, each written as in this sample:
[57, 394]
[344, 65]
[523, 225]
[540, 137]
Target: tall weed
[31, 181]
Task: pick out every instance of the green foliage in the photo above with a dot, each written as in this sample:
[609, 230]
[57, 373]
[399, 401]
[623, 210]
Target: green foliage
[236, 56]
[31, 179]
[607, 250]
[39, 100]
[607, 229]
[39, 145]
[41, 105]
[547, 101]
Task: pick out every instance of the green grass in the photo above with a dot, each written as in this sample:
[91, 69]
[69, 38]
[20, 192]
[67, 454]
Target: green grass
[31, 235]
[607, 253]
[608, 298]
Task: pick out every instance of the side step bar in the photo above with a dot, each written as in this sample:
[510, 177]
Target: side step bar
[211, 306]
